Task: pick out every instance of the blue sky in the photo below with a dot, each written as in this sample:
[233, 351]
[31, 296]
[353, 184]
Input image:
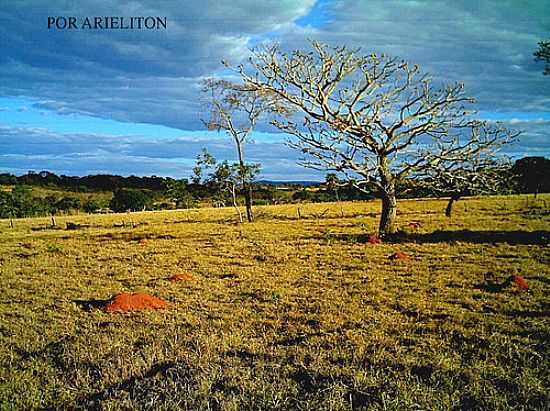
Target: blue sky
[129, 102]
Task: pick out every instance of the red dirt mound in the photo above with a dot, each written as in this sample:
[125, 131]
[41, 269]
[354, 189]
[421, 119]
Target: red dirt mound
[125, 302]
[520, 282]
[181, 277]
[373, 239]
[399, 256]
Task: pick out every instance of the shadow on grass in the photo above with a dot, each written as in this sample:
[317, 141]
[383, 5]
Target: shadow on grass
[88, 305]
[491, 287]
[465, 236]
[129, 236]
[528, 313]
[135, 385]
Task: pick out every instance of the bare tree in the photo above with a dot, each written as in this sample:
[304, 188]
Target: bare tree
[374, 118]
[543, 54]
[478, 175]
[236, 110]
[333, 183]
[223, 179]
[228, 177]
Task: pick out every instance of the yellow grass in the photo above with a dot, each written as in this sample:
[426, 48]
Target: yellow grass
[283, 313]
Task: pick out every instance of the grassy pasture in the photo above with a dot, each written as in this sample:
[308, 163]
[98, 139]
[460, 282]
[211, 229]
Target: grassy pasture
[283, 313]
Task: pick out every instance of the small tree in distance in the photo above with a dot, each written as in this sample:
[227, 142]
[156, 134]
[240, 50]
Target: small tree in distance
[129, 200]
[179, 192]
[333, 183]
[373, 118]
[236, 111]
[225, 178]
[471, 177]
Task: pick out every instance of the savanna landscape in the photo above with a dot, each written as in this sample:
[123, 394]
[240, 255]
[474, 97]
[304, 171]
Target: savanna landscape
[280, 205]
[297, 310]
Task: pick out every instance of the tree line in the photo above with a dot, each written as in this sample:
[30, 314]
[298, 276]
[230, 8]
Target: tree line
[98, 182]
[217, 183]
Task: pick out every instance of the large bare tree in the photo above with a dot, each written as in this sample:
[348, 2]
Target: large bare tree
[374, 118]
[237, 110]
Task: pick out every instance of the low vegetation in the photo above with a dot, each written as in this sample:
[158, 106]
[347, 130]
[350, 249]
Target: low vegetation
[298, 310]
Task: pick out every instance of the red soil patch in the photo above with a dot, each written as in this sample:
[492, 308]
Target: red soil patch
[520, 282]
[399, 256]
[372, 239]
[181, 277]
[415, 224]
[125, 302]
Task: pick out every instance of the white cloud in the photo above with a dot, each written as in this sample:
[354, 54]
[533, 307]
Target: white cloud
[43, 149]
[154, 77]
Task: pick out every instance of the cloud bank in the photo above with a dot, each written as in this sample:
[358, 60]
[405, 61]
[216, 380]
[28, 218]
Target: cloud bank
[154, 76]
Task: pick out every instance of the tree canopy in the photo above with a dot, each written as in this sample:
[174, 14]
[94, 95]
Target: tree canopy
[543, 54]
[532, 174]
[374, 118]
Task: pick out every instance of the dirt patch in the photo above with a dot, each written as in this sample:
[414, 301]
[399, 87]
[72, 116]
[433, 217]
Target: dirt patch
[125, 302]
[373, 239]
[399, 255]
[520, 282]
[181, 277]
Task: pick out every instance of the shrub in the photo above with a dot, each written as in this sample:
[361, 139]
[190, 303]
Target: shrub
[130, 200]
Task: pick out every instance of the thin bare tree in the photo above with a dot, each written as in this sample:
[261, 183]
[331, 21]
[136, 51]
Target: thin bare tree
[475, 176]
[374, 118]
[237, 110]
[333, 183]
[227, 178]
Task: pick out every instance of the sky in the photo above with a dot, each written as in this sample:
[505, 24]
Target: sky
[80, 102]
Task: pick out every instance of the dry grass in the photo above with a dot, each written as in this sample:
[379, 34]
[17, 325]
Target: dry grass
[284, 313]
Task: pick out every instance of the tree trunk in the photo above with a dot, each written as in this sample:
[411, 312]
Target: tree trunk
[248, 201]
[449, 209]
[234, 198]
[389, 212]
[246, 187]
[389, 199]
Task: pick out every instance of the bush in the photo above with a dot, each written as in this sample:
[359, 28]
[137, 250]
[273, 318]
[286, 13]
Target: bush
[91, 206]
[130, 200]
[68, 203]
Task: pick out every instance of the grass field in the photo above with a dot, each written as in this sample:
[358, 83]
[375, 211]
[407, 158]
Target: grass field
[283, 313]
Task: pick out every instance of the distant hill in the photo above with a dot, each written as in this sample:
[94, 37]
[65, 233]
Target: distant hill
[303, 183]
[108, 182]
